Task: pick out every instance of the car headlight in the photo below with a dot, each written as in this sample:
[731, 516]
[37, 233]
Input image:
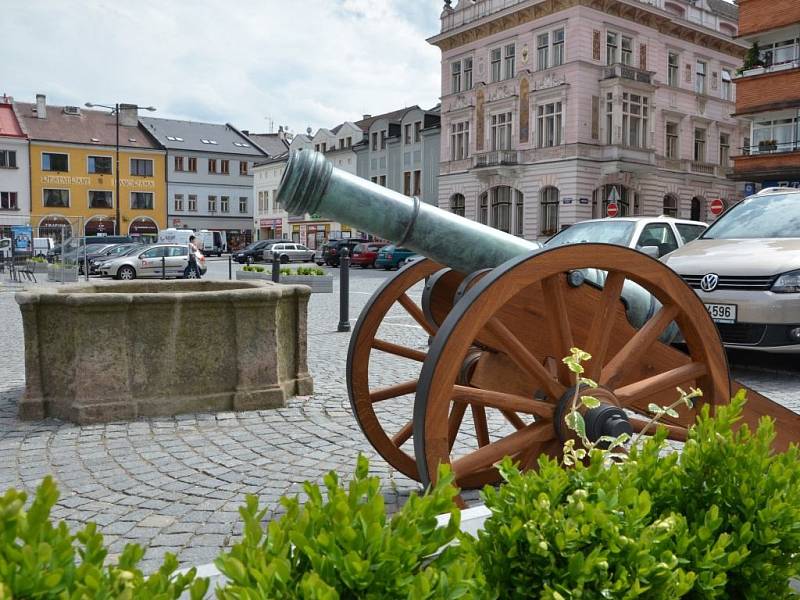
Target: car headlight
[788, 283]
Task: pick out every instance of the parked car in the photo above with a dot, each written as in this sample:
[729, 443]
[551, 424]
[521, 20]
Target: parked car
[111, 253]
[87, 253]
[289, 251]
[746, 270]
[331, 249]
[655, 236]
[391, 257]
[364, 255]
[75, 243]
[252, 253]
[148, 263]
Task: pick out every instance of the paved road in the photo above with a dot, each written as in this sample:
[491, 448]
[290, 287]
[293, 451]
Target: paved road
[175, 484]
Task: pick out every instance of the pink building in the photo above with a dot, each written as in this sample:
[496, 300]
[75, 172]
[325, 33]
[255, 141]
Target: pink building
[550, 107]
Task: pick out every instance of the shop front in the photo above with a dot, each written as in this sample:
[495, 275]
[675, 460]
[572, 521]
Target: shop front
[144, 229]
[100, 225]
[237, 232]
[270, 229]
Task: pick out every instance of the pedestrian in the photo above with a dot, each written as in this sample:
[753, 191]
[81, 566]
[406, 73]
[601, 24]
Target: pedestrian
[193, 266]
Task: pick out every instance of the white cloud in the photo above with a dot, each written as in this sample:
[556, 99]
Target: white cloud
[303, 62]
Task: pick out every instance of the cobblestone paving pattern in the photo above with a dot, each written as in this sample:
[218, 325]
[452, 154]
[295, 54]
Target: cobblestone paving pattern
[175, 484]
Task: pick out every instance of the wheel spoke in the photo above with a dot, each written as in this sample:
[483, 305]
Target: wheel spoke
[637, 346]
[393, 391]
[603, 324]
[510, 445]
[402, 436]
[454, 422]
[481, 427]
[636, 392]
[674, 432]
[398, 350]
[416, 313]
[517, 351]
[558, 320]
[502, 401]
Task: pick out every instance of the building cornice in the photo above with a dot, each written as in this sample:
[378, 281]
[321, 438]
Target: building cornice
[640, 14]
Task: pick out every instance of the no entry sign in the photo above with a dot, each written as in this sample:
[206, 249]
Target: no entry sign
[717, 206]
[612, 210]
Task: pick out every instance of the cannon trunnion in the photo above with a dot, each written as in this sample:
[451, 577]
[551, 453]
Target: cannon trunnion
[501, 314]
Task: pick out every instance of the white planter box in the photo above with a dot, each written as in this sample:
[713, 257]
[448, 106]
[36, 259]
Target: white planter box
[66, 274]
[37, 267]
[250, 275]
[318, 283]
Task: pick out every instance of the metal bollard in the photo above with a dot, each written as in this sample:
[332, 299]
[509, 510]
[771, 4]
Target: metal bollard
[276, 268]
[163, 267]
[230, 267]
[344, 290]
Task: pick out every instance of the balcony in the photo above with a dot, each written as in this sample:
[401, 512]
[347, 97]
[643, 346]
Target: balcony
[619, 70]
[497, 158]
[769, 90]
[768, 161]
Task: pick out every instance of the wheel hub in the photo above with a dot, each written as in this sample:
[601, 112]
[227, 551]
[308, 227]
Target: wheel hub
[608, 419]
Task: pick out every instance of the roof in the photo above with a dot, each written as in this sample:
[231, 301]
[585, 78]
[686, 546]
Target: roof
[9, 125]
[88, 127]
[725, 9]
[271, 143]
[396, 115]
[197, 136]
[278, 158]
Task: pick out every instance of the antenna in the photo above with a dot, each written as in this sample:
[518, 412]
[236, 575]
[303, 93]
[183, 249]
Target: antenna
[271, 122]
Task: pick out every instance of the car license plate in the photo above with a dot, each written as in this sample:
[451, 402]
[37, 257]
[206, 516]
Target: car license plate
[722, 313]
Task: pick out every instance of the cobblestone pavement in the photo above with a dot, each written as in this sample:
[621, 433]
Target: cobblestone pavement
[175, 484]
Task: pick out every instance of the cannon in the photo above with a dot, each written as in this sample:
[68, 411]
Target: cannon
[500, 314]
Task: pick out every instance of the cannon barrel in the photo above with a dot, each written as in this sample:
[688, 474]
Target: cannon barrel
[310, 184]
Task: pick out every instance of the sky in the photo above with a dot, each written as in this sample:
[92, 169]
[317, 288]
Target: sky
[253, 63]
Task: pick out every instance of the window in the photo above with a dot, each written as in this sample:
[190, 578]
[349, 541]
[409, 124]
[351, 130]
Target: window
[501, 131]
[459, 140]
[316, 147]
[178, 161]
[242, 204]
[192, 164]
[455, 78]
[548, 214]
[519, 212]
[383, 139]
[779, 53]
[672, 69]
[457, 204]
[374, 179]
[501, 208]
[374, 140]
[192, 203]
[510, 60]
[609, 118]
[348, 141]
[100, 199]
[558, 48]
[699, 145]
[142, 200]
[627, 50]
[689, 232]
[55, 162]
[724, 149]
[407, 138]
[243, 167]
[670, 206]
[635, 116]
[672, 140]
[407, 183]
[100, 165]
[659, 235]
[612, 46]
[212, 165]
[8, 201]
[382, 180]
[467, 74]
[726, 85]
[275, 199]
[549, 124]
[779, 135]
[141, 167]
[417, 183]
[56, 198]
[225, 167]
[700, 77]
[225, 204]
[8, 160]
[542, 51]
[483, 208]
[178, 202]
[417, 132]
[495, 59]
[212, 204]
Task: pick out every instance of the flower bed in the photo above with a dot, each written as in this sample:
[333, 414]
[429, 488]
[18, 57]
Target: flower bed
[313, 277]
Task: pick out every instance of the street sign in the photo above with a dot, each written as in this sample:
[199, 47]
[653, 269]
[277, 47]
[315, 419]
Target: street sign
[612, 209]
[613, 195]
[716, 206]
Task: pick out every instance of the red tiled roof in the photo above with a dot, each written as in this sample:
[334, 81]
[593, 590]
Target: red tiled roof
[9, 126]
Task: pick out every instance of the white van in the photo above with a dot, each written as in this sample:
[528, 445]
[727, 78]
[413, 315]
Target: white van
[5, 248]
[42, 246]
[211, 242]
[175, 236]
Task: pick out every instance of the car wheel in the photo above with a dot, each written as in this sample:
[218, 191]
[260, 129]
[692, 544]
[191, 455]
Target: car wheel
[126, 273]
[191, 274]
[284, 259]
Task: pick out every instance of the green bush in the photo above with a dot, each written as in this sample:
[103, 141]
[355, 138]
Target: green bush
[340, 544]
[38, 259]
[40, 560]
[253, 268]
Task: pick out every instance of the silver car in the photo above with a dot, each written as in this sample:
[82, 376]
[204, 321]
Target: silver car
[746, 269]
[170, 259]
[291, 252]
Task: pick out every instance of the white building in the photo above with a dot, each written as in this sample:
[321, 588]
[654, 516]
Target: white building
[15, 200]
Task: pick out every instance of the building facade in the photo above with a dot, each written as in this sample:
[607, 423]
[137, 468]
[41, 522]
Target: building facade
[209, 175]
[552, 107]
[15, 200]
[768, 94]
[73, 174]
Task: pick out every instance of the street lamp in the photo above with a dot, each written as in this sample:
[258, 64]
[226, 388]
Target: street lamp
[115, 111]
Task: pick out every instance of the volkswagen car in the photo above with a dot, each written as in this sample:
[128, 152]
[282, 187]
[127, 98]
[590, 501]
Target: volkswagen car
[159, 260]
[746, 269]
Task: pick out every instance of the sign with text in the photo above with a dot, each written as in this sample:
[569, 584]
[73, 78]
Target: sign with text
[22, 235]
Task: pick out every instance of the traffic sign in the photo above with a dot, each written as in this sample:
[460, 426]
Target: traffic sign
[613, 195]
[612, 209]
[716, 206]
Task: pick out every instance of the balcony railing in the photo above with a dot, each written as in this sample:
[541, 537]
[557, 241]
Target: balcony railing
[771, 147]
[703, 168]
[497, 158]
[627, 72]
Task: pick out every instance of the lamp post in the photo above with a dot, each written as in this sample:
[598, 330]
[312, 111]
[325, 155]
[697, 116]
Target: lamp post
[115, 111]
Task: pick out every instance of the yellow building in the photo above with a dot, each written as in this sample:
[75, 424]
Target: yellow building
[73, 172]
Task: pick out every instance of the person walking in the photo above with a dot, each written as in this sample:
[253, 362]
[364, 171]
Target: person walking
[193, 266]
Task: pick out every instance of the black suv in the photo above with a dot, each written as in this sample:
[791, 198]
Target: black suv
[331, 249]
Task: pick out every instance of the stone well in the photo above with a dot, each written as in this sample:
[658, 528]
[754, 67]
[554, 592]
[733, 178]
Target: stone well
[110, 351]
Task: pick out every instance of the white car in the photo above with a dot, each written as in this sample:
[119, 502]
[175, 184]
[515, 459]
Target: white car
[746, 269]
[655, 236]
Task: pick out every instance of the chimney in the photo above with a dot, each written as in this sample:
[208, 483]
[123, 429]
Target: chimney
[128, 115]
[367, 117]
[281, 133]
[41, 106]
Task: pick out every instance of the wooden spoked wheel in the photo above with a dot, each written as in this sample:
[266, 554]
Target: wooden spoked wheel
[367, 347]
[526, 315]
